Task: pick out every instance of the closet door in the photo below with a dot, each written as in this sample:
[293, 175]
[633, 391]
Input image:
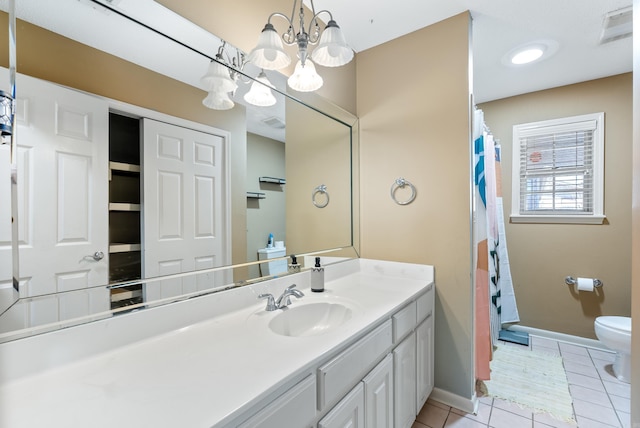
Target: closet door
[184, 204]
[62, 138]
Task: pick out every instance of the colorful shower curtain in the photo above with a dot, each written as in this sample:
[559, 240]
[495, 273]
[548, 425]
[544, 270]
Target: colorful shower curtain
[494, 297]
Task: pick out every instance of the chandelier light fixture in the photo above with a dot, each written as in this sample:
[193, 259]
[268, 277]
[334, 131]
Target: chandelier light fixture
[221, 82]
[331, 50]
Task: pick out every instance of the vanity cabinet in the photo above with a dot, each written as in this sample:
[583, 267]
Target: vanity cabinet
[381, 380]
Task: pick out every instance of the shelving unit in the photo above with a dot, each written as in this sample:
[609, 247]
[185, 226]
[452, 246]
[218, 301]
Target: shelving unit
[256, 195]
[273, 180]
[125, 245]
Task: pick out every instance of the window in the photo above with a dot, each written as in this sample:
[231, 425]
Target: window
[558, 171]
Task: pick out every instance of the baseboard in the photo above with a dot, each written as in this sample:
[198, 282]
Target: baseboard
[561, 337]
[454, 400]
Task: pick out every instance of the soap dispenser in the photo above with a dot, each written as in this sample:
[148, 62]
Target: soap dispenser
[294, 267]
[317, 277]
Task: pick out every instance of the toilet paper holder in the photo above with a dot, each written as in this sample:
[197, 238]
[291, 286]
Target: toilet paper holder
[572, 281]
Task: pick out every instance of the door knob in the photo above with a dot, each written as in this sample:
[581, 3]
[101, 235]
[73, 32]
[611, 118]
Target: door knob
[98, 255]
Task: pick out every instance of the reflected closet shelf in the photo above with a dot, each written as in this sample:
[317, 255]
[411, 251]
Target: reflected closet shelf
[123, 248]
[123, 206]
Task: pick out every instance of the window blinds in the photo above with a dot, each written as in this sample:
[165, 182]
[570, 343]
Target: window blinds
[556, 169]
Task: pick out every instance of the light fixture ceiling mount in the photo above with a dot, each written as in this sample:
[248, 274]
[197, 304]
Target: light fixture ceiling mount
[222, 77]
[331, 50]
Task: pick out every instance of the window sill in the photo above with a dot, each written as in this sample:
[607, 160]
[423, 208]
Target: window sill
[558, 219]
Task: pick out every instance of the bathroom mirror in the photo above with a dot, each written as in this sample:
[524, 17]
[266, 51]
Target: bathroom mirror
[161, 85]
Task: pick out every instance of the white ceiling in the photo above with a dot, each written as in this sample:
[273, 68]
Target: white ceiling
[498, 27]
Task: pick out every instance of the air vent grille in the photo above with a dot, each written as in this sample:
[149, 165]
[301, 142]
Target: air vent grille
[617, 25]
[274, 122]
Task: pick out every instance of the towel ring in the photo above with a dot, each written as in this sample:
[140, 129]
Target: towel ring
[398, 184]
[322, 189]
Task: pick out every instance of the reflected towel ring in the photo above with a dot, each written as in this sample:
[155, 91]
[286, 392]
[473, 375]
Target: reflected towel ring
[398, 184]
[323, 190]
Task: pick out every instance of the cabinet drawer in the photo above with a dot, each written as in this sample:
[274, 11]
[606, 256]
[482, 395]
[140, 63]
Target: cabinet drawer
[340, 374]
[294, 408]
[425, 304]
[404, 321]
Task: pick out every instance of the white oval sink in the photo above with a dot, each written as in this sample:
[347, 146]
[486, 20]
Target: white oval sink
[310, 319]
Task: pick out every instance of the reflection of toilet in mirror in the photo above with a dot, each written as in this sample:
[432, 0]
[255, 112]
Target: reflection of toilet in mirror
[615, 333]
[275, 267]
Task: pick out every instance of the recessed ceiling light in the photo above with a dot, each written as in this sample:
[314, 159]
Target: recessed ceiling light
[526, 56]
[530, 52]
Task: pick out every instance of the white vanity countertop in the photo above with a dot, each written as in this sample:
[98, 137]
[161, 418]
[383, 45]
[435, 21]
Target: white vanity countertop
[209, 372]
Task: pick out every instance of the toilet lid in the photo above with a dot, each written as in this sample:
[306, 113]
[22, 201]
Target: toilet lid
[622, 324]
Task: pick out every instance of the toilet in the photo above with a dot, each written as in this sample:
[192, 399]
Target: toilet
[615, 334]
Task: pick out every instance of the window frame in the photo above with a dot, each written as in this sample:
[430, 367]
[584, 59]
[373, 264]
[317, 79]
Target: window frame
[546, 127]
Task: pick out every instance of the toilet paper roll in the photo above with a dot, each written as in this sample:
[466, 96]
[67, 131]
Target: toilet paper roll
[584, 284]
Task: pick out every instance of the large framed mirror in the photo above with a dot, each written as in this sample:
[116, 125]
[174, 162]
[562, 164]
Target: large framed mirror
[109, 219]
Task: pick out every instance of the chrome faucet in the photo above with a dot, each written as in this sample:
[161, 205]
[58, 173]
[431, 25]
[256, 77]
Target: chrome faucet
[284, 300]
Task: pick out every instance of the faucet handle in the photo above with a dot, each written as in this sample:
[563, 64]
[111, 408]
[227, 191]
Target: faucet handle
[271, 303]
[291, 287]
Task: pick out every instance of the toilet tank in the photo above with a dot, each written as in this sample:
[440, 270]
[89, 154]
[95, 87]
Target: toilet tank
[275, 267]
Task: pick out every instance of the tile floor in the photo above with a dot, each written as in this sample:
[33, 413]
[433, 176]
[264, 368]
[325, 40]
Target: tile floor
[599, 399]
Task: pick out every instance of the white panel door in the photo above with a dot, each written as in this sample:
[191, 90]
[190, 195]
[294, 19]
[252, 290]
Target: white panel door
[63, 146]
[183, 208]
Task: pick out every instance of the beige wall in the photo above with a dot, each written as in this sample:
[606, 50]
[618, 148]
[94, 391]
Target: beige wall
[542, 255]
[265, 158]
[414, 123]
[49, 56]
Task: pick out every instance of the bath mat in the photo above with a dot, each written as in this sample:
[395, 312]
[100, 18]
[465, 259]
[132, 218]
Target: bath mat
[531, 379]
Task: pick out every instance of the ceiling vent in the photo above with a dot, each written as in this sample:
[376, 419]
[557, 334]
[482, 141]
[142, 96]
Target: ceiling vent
[617, 25]
[274, 122]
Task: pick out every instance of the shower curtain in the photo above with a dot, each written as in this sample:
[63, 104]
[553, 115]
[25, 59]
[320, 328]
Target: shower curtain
[495, 302]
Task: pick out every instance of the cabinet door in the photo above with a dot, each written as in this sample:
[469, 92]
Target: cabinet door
[348, 413]
[404, 379]
[424, 361]
[378, 395]
[294, 408]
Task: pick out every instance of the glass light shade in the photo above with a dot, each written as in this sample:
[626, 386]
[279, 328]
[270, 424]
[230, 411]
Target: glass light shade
[269, 53]
[260, 94]
[332, 50]
[217, 79]
[305, 79]
[218, 101]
